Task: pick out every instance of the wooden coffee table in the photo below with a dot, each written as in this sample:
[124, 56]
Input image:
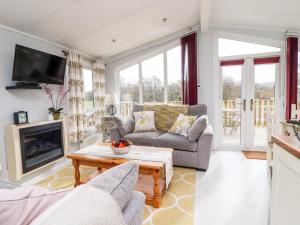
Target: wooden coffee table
[150, 180]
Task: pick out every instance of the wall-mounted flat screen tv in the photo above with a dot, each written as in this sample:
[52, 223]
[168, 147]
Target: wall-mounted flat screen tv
[33, 66]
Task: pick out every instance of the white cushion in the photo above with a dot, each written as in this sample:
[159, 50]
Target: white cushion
[144, 121]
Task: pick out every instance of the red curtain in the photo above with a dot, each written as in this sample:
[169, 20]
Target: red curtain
[291, 74]
[189, 69]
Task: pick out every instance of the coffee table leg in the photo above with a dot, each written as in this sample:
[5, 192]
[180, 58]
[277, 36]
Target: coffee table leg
[156, 188]
[77, 172]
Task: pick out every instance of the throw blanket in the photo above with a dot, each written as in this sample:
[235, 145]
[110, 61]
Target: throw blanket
[85, 205]
[138, 153]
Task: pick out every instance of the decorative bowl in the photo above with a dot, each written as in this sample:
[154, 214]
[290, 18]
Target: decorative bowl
[121, 150]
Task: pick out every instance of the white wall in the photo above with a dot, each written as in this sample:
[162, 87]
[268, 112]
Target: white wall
[34, 102]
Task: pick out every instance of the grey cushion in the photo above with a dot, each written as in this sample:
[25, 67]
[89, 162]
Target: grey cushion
[134, 210]
[143, 138]
[118, 181]
[175, 141]
[126, 125]
[197, 110]
[197, 128]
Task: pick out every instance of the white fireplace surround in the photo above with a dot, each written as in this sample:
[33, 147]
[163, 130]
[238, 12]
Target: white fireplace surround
[13, 148]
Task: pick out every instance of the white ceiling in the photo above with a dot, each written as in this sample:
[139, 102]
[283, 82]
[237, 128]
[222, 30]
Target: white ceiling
[280, 15]
[90, 25]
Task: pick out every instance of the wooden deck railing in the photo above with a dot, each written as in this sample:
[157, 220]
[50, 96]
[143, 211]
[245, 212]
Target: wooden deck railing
[263, 109]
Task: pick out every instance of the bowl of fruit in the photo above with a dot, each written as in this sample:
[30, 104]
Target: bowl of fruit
[121, 147]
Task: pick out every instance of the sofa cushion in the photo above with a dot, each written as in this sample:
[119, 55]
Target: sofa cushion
[182, 125]
[126, 125]
[23, 204]
[118, 181]
[197, 128]
[85, 205]
[144, 121]
[175, 141]
[166, 115]
[143, 138]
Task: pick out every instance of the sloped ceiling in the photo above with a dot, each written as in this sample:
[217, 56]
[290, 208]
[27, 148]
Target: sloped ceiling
[91, 25]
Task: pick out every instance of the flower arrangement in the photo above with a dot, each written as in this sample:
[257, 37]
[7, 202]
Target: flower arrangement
[56, 108]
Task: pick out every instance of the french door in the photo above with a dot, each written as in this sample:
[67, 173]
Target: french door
[247, 102]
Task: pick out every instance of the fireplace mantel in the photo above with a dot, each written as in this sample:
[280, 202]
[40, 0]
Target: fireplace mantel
[15, 147]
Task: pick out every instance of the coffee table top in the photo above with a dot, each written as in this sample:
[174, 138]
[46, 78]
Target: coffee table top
[119, 159]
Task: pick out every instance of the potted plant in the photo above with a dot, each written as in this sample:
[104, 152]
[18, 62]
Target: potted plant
[56, 108]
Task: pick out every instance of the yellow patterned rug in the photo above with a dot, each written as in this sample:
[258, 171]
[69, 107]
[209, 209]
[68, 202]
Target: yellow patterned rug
[177, 204]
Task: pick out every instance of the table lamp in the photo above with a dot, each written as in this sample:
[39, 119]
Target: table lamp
[111, 101]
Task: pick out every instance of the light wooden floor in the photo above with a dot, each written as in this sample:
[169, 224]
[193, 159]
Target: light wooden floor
[234, 191]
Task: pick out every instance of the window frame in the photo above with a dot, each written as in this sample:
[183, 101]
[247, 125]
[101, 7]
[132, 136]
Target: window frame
[139, 60]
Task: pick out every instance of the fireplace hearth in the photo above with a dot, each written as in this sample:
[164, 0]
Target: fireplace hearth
[41, 145]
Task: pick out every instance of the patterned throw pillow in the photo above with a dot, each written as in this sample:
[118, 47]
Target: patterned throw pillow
[182, 125]
[144, 121]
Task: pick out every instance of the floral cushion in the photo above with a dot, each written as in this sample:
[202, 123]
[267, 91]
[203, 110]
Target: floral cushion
[144, 121]
[182, 125]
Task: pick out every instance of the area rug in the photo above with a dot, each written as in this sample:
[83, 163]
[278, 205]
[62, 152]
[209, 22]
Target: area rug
[177, 206]
[255, 155]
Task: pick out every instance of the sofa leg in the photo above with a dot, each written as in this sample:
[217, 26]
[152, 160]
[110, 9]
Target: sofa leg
[202, 170]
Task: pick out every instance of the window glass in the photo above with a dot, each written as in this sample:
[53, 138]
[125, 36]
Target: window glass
[153, 79]
[88, 88]
[174, 75]
[129, 84]
[231, 48]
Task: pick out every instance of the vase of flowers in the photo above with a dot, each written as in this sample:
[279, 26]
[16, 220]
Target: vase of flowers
[56, 108]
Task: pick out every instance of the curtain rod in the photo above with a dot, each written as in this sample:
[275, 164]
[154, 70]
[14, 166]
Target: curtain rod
[153, 44]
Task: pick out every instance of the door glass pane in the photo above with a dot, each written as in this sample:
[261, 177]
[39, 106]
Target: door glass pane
[153, 79]
[232, 104]
[263, 104]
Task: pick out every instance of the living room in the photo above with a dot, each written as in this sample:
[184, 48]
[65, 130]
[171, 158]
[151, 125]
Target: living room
[149, 112]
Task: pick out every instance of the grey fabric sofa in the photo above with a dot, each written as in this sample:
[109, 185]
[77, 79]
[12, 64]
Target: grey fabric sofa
[186, 153]
[133, 211]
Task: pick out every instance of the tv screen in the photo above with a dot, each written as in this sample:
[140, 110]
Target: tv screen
[38, 67]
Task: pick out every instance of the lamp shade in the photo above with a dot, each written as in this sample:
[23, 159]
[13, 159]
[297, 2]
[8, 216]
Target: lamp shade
[111, 99]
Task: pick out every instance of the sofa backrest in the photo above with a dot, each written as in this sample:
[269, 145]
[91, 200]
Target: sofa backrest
[193, 110]
[197, 110]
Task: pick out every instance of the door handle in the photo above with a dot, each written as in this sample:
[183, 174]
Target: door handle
[251, 104]
[244, 104]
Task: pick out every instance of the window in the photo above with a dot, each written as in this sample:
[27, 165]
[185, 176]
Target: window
[174, 75]
[233, 47]
[88, 88]
[153, 79]
[157, 85]
[129, 84]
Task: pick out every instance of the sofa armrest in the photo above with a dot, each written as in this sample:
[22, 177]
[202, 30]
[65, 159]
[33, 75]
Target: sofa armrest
[204, 147]
[114, 133]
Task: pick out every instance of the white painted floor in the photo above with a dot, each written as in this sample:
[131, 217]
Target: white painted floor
[234, 191]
